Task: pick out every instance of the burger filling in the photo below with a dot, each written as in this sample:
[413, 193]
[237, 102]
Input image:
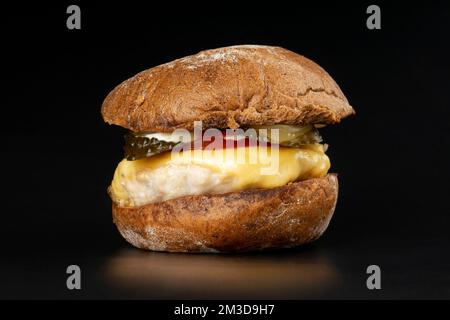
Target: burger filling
[152, 172]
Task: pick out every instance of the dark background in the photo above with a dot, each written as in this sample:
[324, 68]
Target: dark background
[58, 156]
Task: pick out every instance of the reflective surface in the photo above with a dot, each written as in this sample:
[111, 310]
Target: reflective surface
[224, 276]
[327, 269]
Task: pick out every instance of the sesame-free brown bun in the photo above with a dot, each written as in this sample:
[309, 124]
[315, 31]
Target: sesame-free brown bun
[228, 88]
[251, 220]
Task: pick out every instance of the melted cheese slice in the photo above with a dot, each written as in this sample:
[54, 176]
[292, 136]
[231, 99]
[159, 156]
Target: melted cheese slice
[165, 176]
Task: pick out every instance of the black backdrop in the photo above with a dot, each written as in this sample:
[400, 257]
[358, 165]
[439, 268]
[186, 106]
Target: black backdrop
[58, 156]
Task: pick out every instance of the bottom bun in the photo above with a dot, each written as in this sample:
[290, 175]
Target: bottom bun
[251, 220]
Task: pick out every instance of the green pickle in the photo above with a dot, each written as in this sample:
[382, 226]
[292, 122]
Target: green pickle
[138, 146]
[291, 136]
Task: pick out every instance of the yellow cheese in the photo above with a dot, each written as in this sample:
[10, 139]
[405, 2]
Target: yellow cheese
[167, 175]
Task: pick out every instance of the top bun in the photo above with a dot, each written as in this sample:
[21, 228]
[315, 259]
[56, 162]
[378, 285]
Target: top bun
[228, 87]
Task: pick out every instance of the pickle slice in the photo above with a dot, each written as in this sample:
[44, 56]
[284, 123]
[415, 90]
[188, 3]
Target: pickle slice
[139, 146]
[290, 136]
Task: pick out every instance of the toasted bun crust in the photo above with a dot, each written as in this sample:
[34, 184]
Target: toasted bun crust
[228, 87]
[241, 221]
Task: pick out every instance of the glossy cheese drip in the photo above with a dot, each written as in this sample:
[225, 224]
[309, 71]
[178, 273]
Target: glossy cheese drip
[164, 176]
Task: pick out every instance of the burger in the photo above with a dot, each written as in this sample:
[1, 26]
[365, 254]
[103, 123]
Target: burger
[202, 199]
